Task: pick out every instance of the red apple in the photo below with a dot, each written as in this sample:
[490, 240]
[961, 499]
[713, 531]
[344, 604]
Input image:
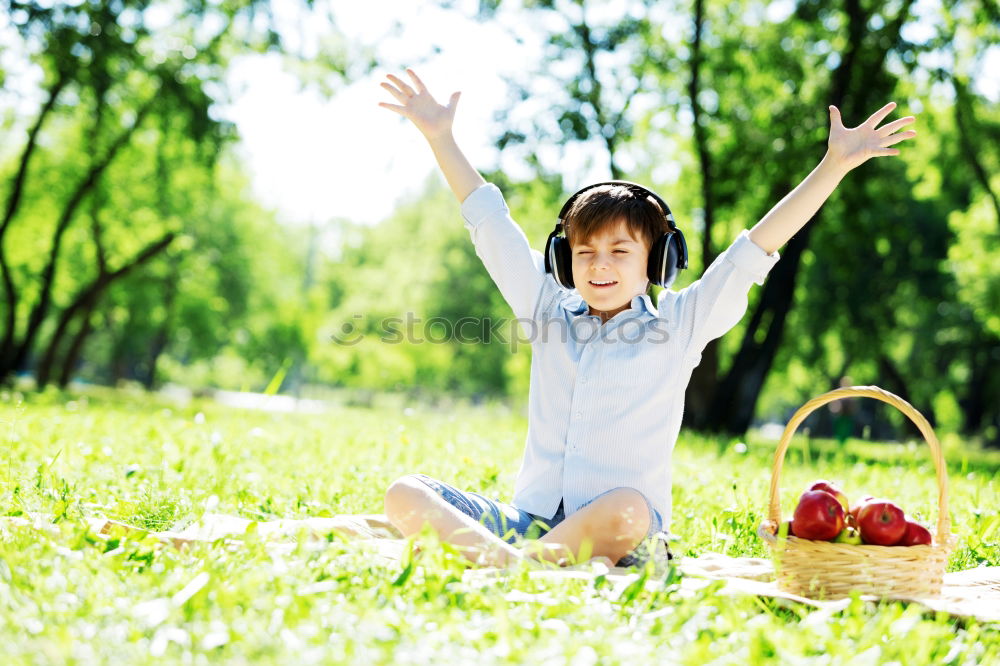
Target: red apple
[881, 522]
[818, 516]
[857, 507]
[833, 489]
[915, 535]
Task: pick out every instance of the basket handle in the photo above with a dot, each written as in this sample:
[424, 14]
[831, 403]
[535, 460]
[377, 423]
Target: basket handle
[774, 510]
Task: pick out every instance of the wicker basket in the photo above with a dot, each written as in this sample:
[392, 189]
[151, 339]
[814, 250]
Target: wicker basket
[824, 569]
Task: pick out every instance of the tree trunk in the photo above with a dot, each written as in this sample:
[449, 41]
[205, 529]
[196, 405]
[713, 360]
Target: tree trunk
[156, 349]
[44, 373]
[163, 334]
[895, 382]
[13, 203]
[736, 397]
[594, 96]
[737, 394]
[72, 358]
[705, 377]
[41, 307]
[968, 131]
[977, 401]
[117, 367]
[88, 297]
[982, 362]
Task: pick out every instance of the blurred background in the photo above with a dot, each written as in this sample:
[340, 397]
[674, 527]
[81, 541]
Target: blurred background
[203, 194]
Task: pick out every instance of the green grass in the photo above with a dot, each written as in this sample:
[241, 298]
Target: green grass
[68, 598]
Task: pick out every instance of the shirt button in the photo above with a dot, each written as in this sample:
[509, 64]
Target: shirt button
[579, 414]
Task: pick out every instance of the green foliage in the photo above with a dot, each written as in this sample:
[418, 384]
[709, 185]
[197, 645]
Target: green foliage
[895, 287]
[973, 257]
[125, 157]
[159, 465]
[760, 82]
[416, 305]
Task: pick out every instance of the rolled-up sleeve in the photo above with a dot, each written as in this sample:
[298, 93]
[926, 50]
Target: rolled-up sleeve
[516, 269]
[712, 305]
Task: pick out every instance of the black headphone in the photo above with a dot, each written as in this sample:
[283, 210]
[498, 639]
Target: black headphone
[667, 255]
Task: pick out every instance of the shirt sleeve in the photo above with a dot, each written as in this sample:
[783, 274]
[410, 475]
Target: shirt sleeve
[517, 270]
[707, 308]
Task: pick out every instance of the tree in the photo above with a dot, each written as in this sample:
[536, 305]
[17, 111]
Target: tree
[591, 78]
[758, 86]
[116, 80]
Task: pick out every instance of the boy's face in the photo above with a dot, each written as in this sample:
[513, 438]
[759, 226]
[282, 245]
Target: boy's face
[615, 256]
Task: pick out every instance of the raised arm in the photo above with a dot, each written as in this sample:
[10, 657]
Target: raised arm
[516, 269]
[846, 149]
[435, 122]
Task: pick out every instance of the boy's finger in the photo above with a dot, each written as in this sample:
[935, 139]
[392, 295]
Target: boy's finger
[401, 110]
[401, 84]
[453, 102]
[835, 115]
[896, 138]
[416, 80]
[395, 93]
[895, 125]
[877, 117]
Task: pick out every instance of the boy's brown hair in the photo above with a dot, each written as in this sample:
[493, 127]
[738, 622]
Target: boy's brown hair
[604, 206]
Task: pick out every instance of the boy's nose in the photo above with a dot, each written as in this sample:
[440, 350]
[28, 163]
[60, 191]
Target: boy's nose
[601, 261]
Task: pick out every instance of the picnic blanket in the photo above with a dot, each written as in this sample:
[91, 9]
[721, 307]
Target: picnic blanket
[973, 593]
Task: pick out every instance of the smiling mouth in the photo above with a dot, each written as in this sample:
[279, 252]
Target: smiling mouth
[600, 286]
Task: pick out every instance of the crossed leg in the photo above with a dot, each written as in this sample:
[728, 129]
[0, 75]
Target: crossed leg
[409, 503]
[611, 526]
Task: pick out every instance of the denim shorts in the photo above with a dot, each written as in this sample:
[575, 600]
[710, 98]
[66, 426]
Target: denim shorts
[510, 523]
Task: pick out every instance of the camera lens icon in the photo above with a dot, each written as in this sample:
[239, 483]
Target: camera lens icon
[349, 333]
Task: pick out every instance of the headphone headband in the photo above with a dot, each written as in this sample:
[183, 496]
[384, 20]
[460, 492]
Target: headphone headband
[636, 189]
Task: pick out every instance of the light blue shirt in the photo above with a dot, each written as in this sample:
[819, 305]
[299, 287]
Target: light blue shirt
[605, 402]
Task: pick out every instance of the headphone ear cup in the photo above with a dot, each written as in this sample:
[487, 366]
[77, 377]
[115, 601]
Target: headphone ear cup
[680, 248]
[559, 261]
[655, 268]
[666, 257]
[670, 264]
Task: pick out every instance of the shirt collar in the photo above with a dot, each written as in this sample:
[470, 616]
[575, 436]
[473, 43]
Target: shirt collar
[641, 302]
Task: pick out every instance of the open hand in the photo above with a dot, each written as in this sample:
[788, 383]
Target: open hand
[851, 147]
[431, 118]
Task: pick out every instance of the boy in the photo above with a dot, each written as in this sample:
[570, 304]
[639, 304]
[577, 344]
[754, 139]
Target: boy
[604, 411]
